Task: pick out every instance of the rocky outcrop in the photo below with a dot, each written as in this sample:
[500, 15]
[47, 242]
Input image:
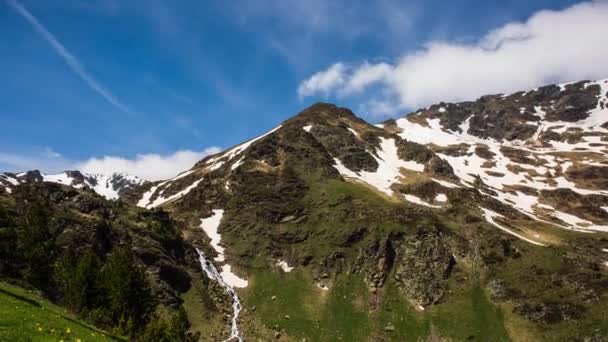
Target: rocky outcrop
[423, 264]
[512, 117]
[550, 312]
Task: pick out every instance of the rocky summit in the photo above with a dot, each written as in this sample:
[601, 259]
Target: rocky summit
[483, 220]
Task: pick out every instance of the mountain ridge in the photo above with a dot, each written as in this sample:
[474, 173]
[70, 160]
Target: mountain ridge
[498, 206]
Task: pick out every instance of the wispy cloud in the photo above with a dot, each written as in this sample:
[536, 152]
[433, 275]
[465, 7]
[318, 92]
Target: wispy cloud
[46, 159]
[73, 63]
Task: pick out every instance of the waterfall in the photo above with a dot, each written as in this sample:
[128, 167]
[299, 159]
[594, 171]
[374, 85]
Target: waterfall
[212, 273]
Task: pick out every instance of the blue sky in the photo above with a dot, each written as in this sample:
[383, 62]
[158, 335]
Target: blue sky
[141, 79]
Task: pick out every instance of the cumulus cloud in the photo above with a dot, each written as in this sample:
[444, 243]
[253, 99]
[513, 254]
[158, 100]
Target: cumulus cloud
[551, 46]
[365, 75]
[324, 81]
[150, 167]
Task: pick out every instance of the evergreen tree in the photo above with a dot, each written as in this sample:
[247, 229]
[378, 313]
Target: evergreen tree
[129, 297]
[35, 244]
[78, 280]
[9, 259]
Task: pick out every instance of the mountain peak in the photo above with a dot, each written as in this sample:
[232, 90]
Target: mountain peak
[111, 186]
[321, 112]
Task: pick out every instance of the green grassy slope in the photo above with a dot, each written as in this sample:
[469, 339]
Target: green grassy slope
[301, 310]
[25, 316]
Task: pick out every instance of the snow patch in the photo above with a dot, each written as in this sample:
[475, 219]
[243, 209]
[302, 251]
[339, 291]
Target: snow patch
[419, 201]
[100, 183]
[162, 200]
[233, 152]
[210, 226]
[284, 266]
[389, 166]
[441, 198]
[232, 279]
[10, 179]
[577, 222]
[307, 128]
[490, 215]
[445, 184]
[237, 164]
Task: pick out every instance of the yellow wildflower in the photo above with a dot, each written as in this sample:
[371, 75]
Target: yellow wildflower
[68, 331]
[39, 329]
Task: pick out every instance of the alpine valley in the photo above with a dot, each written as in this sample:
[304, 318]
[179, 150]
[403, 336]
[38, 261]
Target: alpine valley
[478, 221]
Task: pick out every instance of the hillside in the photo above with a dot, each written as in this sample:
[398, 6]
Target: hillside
[483, 220]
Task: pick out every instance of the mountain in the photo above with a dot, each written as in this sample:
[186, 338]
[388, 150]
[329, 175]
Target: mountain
[484, 220]
[111, 186]
[114, 265]
[543, 152]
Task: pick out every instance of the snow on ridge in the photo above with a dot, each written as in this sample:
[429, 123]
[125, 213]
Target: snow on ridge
[212, 163]
[102, 184]
[389, 166]
[162, 200]
[9, 179]
[61, 178]
[234, 151]
[237, 164]
[467, 167]
[144, 202]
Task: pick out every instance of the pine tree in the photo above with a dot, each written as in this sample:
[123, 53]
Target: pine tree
[35, 244]
[129, 297]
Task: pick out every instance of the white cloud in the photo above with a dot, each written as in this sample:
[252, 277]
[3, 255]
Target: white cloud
[365, 75]
[150, 167]
[551, 46]
[72, 62]
[323, 81]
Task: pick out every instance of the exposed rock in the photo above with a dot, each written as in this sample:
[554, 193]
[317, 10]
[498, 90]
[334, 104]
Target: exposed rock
[423, 265]
[550, 312]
